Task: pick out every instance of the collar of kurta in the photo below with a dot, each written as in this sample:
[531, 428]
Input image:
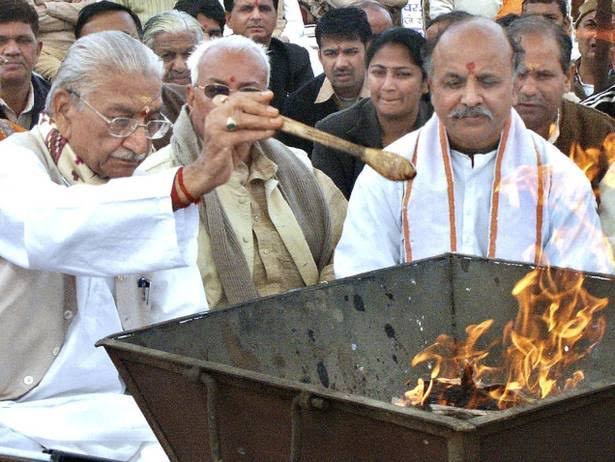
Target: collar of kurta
[327, 92]
[29, 105]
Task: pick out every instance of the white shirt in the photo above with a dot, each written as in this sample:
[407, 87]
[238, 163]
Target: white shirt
[473, 186]
[94, 232]
[373, 233]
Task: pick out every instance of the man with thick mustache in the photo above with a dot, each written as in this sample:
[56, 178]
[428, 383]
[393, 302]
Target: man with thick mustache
[85, 252]
[485, 186]
[22, 93]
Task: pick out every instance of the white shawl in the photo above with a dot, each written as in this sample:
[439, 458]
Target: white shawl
[517, 196]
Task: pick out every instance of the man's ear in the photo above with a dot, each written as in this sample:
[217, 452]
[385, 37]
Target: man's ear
[38, 52]
[62, 108]
[567, 26]
[425, 86]
[190, 95]
[568, 76]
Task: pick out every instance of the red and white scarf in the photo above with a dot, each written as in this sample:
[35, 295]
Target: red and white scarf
[73, 169]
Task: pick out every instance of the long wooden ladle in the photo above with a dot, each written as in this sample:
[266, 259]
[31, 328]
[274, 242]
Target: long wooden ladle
[389, 165]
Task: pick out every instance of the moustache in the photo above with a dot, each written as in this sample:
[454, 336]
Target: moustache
[182, 74]
[522, 99]
[474, 111]
[129, 156]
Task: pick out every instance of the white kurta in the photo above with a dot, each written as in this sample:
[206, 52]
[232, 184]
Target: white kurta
[94, 232]
[373, 233]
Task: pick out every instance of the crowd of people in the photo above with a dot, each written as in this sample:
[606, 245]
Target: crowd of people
[145, 175]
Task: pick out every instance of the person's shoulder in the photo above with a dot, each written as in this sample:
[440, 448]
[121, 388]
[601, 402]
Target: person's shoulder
[278, 46]
[29, 139]
[578, 110]
[404, 146]
[308, 91]
[607, 95]
[558, 163]
[345, 116]
[291, 48]
[299, 155]
[38, 81]
[174, 90]
[158, 161]
[7, 128]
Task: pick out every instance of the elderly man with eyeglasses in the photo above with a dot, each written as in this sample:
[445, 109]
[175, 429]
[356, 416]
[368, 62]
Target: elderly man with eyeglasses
[274, 225]
[85, 253]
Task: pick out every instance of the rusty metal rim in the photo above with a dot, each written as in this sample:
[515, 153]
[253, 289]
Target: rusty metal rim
[550, 406]
[407, 417]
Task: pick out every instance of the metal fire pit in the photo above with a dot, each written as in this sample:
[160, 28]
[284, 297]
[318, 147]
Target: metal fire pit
[309, 375]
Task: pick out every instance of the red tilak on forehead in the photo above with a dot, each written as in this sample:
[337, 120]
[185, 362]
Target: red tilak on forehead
[471, 67]
[231, 79]
[146, 110]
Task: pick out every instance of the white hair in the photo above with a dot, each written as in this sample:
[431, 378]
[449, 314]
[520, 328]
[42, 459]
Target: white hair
[231, 43]
[171, 22]
[103, 54]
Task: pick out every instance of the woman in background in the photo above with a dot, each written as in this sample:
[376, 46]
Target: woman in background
[397, 84]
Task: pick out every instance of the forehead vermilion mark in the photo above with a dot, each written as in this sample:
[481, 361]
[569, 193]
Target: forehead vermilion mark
[471, 67]
[231, 79]
[146, 101]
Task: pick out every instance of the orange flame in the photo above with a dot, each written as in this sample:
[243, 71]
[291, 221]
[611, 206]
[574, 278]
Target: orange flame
[557, 324]
[594, 161]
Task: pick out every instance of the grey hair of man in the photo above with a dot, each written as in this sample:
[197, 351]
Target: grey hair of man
[371, 5]
[232, 44]
[171, 22]
[95, 56]
[537, 24]
[430, 46]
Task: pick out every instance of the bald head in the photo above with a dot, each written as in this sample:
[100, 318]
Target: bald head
[471, 80]
[475, 32]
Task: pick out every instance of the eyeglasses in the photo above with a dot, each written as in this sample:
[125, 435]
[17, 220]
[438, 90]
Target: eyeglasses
[214, 89]
[123, 127]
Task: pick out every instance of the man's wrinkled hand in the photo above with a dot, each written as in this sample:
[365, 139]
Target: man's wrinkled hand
[230, 130]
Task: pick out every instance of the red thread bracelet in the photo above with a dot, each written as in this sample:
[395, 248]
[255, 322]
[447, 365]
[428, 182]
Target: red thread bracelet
[175, 200]
[182, 186]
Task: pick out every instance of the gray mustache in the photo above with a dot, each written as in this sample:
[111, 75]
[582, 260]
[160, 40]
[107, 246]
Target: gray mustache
[521, 99]
[474, 111]
[130, 156]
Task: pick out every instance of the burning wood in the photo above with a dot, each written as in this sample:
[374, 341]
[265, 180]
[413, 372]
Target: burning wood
[557, 324]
